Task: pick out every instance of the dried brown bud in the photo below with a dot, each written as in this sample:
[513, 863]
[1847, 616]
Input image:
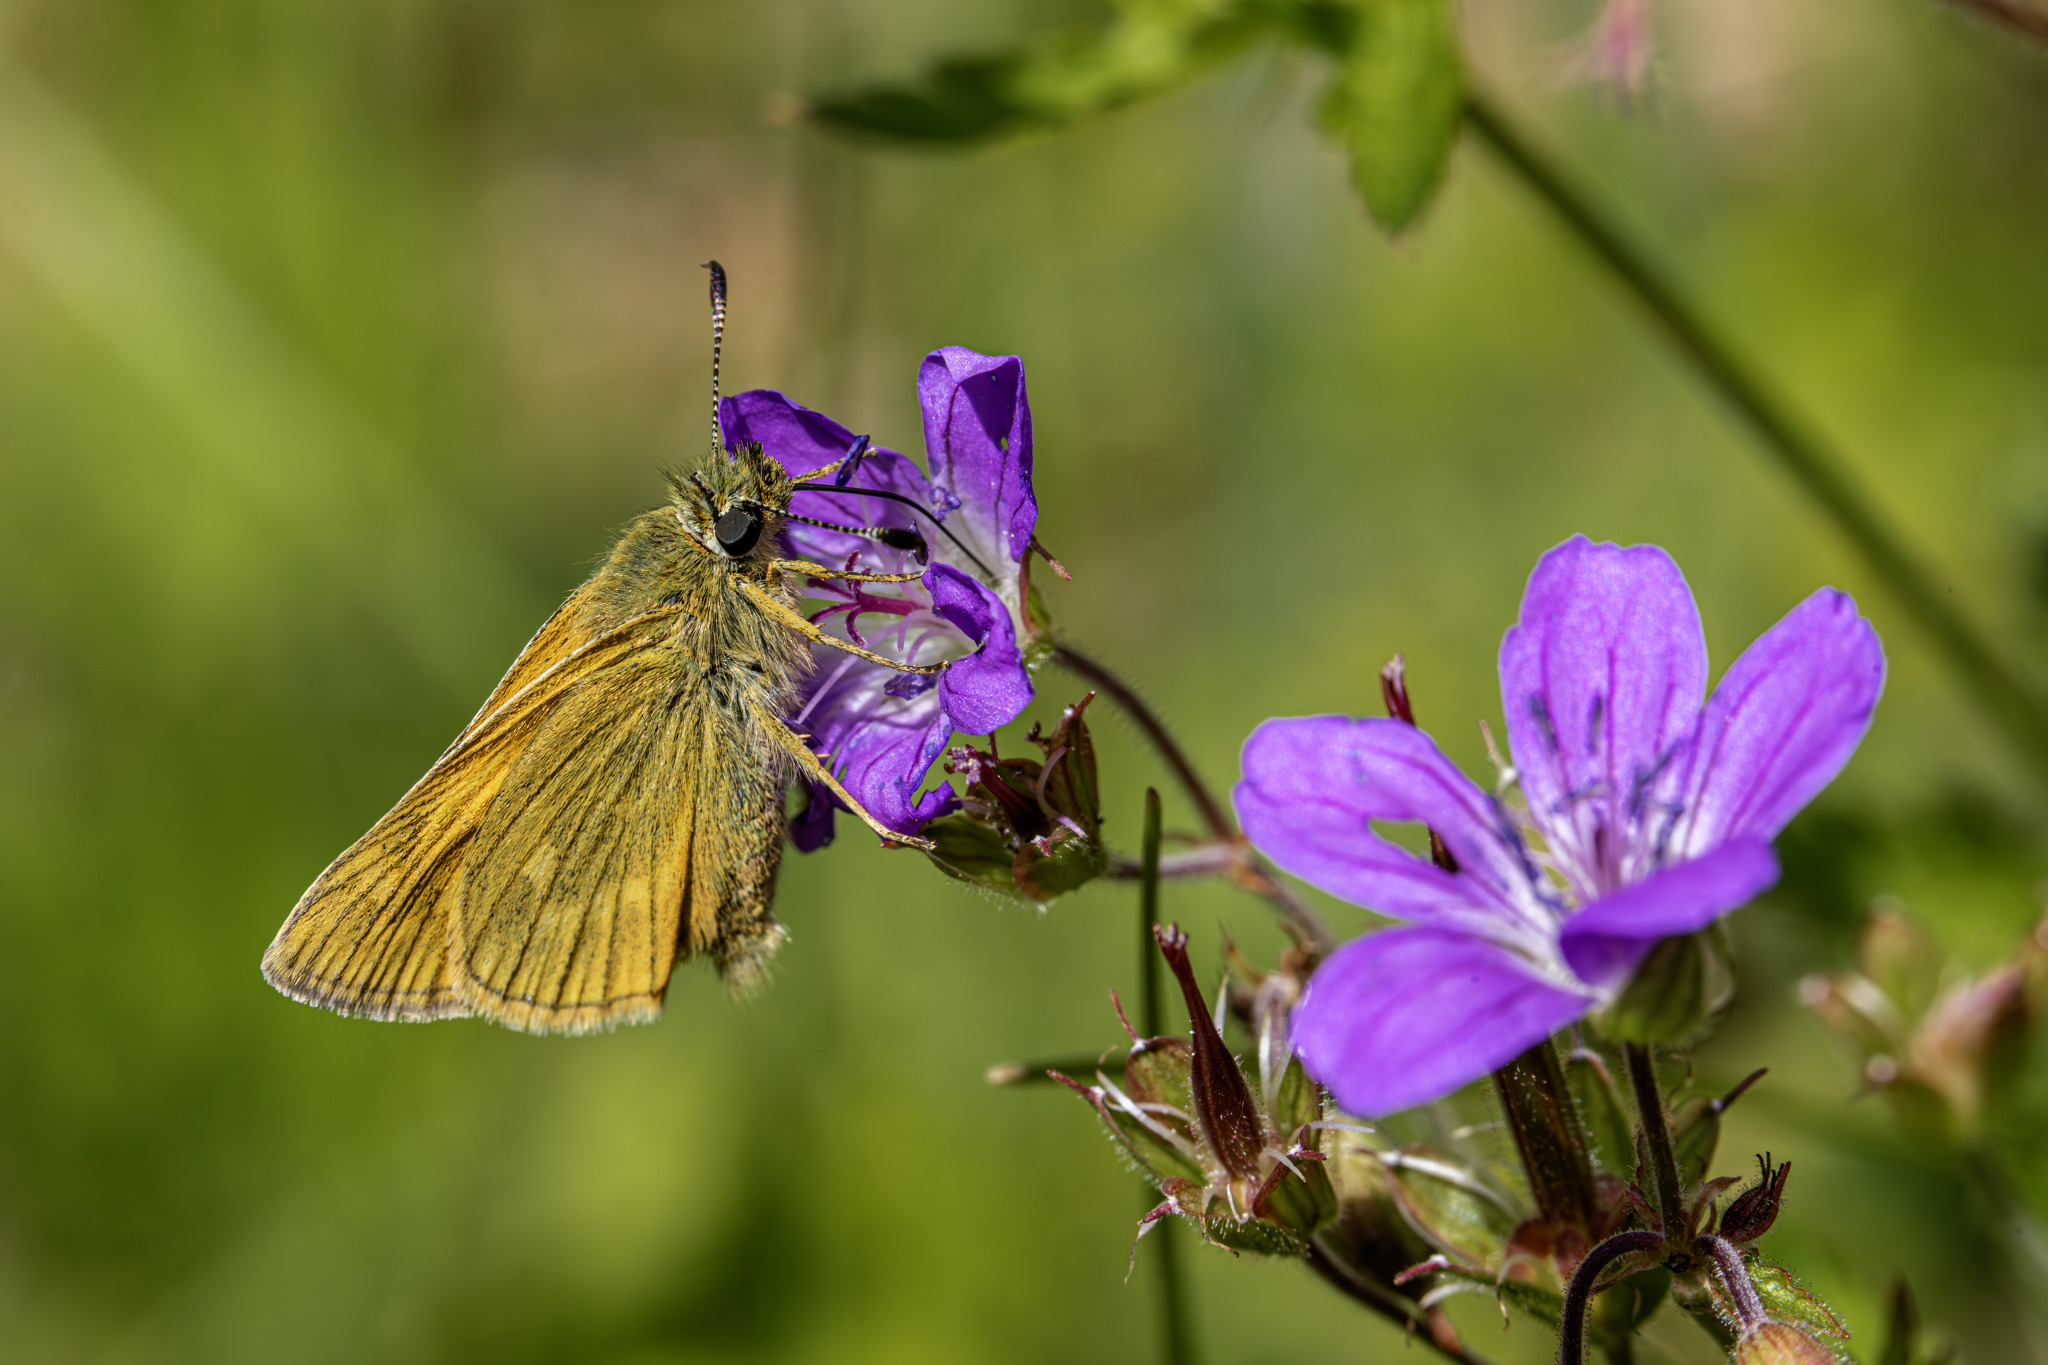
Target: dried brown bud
[1751, 1213]
[1223, 1098]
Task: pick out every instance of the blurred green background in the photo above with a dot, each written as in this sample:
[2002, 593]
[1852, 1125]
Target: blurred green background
[337, 336]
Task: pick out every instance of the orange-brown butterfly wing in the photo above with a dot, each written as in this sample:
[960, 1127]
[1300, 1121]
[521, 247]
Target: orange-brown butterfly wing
[572, 893]
[639, 825]
[370, 937]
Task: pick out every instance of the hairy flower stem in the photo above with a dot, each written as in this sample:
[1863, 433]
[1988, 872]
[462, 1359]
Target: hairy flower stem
[1742, 1295]
[1246, 868]
[1571, 1326]
[1642, 1079]
[1548, 1137]
[2016, 705]
[1147, 720]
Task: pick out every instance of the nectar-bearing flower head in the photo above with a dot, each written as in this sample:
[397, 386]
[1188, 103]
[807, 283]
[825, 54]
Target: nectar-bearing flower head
[1649, 814]
[880, 731]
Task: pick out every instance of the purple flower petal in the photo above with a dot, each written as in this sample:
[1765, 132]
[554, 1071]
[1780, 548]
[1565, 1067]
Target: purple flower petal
[1313, 786]
[989, 688]
[1782, 722]
[879, 746]
[1604, 941]
[977, 435]
[800, 439]
[1405, 1016]
[803, 440]
[1601, 682]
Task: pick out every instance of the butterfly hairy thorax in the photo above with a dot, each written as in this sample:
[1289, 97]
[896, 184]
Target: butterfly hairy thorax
[616, 804]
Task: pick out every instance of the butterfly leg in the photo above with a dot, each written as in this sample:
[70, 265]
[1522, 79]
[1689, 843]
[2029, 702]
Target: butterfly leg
[805, 567]
[789, 616]
[816, 771]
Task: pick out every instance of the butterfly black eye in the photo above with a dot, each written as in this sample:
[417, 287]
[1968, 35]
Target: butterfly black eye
[737, 530]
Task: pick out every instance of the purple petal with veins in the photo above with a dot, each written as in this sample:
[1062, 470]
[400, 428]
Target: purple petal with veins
[1649, 815]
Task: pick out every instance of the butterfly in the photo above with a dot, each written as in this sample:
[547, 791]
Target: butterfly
[618, 802]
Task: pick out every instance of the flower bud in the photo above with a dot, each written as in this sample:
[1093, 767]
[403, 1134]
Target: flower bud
[1938, 1044]
[1750, 1214]
[1223, 1099]
[1776, 1343]
[1026, 827]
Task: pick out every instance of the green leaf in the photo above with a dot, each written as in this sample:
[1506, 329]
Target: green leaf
[1395, 105]
[963, 100]
[1151, 46]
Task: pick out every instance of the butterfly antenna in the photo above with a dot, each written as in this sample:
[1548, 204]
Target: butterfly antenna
[717, 342]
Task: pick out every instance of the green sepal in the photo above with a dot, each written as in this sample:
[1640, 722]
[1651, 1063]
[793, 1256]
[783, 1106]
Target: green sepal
[1256, 1235]
[1545, 1306]
[1157, 1072]
[1158, 1156]
[1038, 645]
[1787, 1300]
[1303, 1205]
[967, 849]
[1607, 1120]
[1396, 105]
[1072, 862]
[1679, 988]
[1695, 1135]
[1296, 1100]
[1071, 788]
[1449, 1207]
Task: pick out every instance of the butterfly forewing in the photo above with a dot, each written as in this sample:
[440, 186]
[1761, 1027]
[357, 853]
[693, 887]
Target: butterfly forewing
[370, 937]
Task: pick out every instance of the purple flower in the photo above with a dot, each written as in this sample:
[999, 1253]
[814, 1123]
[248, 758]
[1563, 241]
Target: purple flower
[1647, 815]
[880, 731]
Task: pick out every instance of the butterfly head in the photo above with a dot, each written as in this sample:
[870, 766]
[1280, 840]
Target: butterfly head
[734, 508]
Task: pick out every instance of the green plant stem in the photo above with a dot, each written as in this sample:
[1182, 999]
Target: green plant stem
[2012, 702]
[1670, 1194]
[1176, 1332]
[1176, 1335]
[1246, 868]
[1148, 916]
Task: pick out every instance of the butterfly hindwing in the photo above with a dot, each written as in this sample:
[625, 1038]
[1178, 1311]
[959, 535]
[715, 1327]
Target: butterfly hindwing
[572, 893]
[625, 837]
